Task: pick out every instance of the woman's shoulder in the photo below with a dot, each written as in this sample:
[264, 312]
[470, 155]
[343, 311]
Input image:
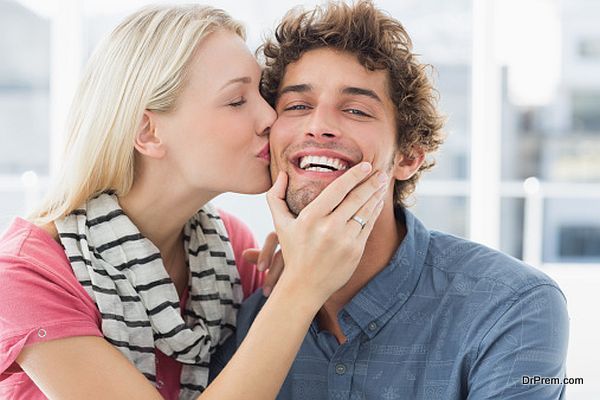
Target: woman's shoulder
[30, 257]
[237, 230]
[40, 297]
[50, 229]
[241, 238]
[37, 285]
[24, 242]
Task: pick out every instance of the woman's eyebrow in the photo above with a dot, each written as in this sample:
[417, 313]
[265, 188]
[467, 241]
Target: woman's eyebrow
[245, 79]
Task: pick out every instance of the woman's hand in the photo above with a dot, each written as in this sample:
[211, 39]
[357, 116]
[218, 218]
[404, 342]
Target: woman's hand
[324, 244]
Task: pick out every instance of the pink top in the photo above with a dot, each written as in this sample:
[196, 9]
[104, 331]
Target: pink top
[41, 300]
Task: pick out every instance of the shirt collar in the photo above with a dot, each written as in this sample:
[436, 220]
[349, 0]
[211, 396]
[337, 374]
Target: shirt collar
[379, 300]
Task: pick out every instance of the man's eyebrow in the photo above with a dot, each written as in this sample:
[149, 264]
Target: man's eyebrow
[301, 88]
[244, 79]
[361, 92]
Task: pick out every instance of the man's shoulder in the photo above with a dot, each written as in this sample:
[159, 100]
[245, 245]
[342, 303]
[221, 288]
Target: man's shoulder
[452, 255]
[248, 311]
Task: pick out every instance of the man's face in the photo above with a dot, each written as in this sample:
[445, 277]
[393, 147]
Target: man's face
[332, 114]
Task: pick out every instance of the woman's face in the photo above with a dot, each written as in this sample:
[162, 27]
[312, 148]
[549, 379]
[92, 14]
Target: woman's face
[216, 138]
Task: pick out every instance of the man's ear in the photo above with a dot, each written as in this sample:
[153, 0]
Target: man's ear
[406, 165]
[146, 141]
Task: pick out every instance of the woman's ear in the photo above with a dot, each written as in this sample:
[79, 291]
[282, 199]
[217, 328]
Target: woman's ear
[147, 142]
[406, 165]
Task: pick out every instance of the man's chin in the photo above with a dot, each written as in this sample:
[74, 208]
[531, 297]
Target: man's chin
[298, 199]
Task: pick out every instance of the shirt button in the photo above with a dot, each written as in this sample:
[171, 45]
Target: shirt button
[340, 369]
[41, 332]
[372, 326]
[159, 384]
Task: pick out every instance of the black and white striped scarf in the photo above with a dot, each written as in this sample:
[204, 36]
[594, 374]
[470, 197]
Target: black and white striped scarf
[124, 274]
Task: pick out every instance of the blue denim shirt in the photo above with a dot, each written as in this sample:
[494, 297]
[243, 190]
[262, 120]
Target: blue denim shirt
[446, 319]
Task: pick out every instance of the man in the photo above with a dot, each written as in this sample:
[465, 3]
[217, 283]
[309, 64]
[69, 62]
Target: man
[426, 315]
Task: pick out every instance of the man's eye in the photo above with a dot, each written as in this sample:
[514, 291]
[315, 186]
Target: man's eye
[296, 107]
[238, 103]
[355, 111]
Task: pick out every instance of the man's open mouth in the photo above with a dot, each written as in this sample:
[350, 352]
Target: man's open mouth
[321, 164]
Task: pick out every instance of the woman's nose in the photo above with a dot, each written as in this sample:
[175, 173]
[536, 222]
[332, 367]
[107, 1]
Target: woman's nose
[268, 117]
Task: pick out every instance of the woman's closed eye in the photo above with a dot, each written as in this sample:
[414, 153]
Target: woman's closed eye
[238, 103]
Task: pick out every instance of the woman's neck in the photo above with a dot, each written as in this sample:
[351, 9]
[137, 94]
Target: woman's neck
[161, 211]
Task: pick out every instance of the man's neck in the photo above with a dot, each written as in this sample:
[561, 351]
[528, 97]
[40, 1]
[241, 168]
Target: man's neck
[385, 238]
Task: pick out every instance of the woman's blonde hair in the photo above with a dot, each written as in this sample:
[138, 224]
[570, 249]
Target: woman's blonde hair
[140, 66]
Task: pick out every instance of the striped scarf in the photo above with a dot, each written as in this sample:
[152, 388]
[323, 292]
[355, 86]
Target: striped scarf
[124, 274]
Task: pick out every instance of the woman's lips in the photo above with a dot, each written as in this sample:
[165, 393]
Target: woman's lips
[265, 153]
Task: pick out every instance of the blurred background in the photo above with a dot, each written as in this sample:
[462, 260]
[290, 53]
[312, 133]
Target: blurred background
[519, 81]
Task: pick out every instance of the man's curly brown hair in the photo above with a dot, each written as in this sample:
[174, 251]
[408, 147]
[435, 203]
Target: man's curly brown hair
[379, 42]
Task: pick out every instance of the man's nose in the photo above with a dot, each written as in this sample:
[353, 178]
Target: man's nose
[322, 124]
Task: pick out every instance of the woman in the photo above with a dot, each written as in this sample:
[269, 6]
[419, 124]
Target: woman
[118, 287]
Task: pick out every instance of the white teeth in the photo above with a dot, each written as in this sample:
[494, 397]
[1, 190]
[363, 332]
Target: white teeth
[318, 163]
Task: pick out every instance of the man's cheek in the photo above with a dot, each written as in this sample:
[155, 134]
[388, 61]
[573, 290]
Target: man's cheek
[274, 167]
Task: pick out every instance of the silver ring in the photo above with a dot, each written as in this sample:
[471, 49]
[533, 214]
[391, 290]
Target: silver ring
[361, 221]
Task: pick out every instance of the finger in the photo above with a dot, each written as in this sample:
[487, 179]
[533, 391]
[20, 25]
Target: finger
[251, 255]
[364, 213]
[266, 255]
[274, 274]
[337, 190]
[366, 231]
[276, 200]
[360, 196]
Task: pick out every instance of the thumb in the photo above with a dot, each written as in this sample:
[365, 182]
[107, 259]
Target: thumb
[276, 200]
